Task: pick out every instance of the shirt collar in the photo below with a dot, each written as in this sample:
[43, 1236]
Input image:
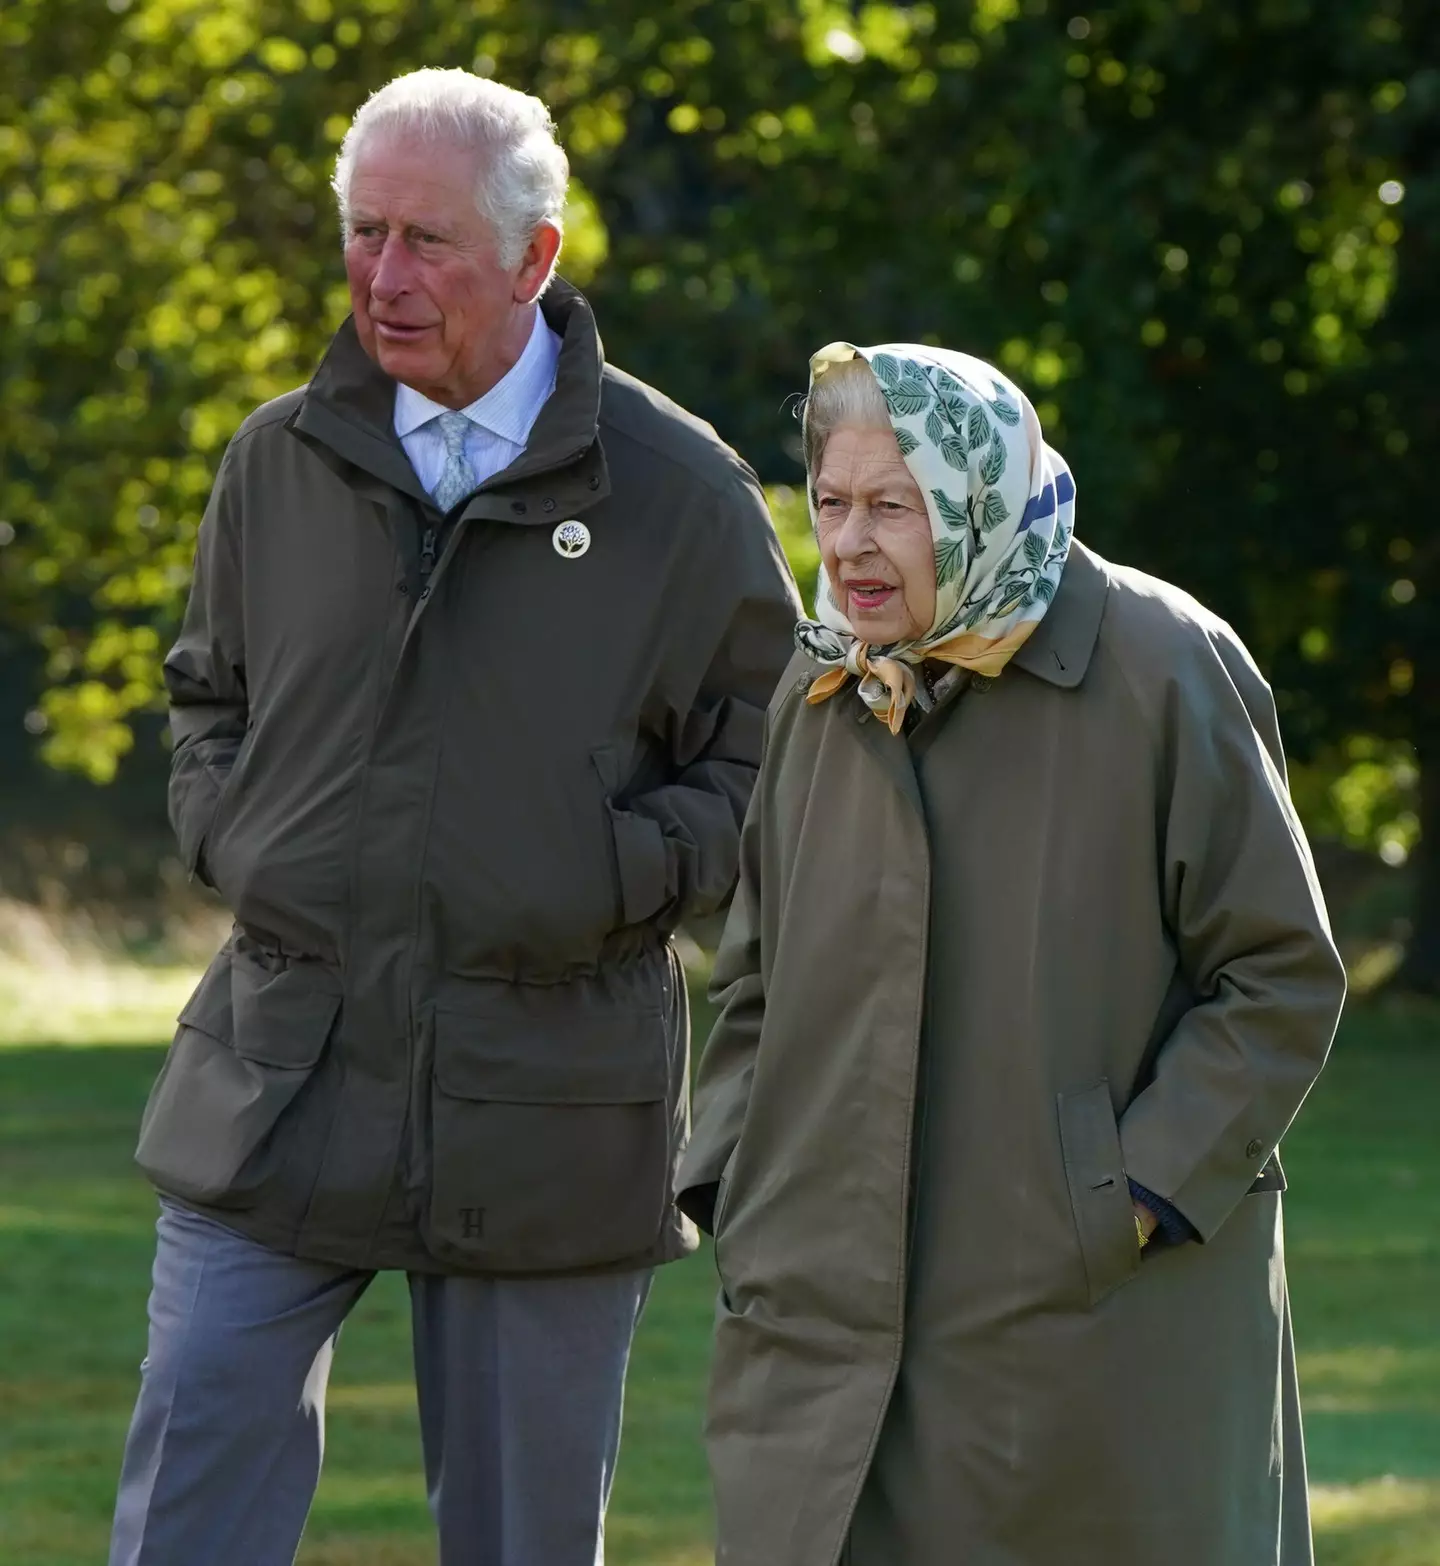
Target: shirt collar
[509, 409]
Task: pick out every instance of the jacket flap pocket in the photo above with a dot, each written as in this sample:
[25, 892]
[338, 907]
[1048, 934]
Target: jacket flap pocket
[511, 1056]
[281, 1015]
[1099, 1191]
[208, 1010]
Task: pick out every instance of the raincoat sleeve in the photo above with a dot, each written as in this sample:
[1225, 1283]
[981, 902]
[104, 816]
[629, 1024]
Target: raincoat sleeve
[1245, 911]
[205, 678]
[722, 1085]
[737, 626]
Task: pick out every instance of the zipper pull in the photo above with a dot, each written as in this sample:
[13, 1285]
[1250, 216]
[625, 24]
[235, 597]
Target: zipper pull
[427, 552]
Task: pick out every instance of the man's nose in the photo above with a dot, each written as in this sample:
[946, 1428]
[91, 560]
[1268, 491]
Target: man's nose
[391, 275]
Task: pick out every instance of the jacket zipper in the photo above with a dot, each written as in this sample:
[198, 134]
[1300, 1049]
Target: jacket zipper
[427, 554]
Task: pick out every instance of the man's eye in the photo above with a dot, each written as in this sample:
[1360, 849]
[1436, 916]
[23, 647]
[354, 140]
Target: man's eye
[431, 239]
[830, 502]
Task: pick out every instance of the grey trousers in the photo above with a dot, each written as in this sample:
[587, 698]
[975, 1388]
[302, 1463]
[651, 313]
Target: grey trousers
[520, 1384]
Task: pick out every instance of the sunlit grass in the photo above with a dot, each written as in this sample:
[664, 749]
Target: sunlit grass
[89, 1000]
[1383, 1522]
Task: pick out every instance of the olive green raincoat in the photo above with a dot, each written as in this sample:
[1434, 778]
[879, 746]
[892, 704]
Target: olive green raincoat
[1063, 933]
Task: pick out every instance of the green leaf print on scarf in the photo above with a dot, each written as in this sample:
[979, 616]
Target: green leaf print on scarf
[992, 465]
[1004, 412]
[950, 514]
[995, 513]
[952, 559]
[904, 402]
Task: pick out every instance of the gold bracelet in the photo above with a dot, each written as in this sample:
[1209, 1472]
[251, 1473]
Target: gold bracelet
[1140, 1233]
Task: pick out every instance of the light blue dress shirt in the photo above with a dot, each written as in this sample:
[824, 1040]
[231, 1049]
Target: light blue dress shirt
[500, 421]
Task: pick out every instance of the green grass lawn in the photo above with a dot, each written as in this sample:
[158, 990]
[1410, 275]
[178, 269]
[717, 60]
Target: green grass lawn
[75, 1240]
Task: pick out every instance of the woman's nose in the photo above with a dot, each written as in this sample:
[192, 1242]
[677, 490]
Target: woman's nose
[853, 539]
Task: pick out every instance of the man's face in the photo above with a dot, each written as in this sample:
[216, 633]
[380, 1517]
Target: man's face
[434, 307]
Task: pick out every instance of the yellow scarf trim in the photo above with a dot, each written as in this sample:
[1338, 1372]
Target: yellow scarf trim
[980, 654]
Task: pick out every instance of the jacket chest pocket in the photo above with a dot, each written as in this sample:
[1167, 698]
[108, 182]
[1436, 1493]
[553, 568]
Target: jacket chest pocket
[551, 1142]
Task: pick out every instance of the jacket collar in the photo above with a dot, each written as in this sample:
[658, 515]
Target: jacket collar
[349, 408]
[1059, 651]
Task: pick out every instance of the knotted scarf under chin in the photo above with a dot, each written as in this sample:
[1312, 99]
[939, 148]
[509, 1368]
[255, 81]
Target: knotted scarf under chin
[887, 686]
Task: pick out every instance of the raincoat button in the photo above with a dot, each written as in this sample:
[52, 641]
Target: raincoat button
[424, 592]
[804, 683]
[548, 505]
[595, 481]
[1254, 1148]
[405, 589]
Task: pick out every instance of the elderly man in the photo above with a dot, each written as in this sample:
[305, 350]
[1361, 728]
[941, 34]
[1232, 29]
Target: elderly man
[467, 707]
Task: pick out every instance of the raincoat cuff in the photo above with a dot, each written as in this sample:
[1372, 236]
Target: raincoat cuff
[1172, 1226]
[697, 1202]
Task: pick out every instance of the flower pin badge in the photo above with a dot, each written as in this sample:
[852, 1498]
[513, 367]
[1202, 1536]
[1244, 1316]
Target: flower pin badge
[571, 540]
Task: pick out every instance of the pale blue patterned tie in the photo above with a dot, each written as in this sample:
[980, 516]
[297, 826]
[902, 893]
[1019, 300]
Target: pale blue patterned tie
[457, 478]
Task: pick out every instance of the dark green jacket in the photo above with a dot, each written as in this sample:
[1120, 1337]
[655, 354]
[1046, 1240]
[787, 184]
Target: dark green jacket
[458, 789]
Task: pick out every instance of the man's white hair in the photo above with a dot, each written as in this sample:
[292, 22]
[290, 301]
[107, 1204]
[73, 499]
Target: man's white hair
[522, 170]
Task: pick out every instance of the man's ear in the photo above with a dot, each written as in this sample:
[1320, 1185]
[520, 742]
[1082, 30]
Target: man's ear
[537, 263]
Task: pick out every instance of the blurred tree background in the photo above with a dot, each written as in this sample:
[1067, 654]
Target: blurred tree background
[1205, 235]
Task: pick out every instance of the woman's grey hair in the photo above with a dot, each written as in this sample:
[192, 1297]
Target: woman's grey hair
[846, 394]
[522, 170]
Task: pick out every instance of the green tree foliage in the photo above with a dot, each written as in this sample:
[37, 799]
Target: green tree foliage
[1201, 232]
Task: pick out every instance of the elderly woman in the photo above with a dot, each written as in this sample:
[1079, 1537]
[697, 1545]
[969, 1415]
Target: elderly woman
[1027, 975]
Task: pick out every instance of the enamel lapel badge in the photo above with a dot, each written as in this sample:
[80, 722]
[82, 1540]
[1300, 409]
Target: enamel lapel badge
[571, 540]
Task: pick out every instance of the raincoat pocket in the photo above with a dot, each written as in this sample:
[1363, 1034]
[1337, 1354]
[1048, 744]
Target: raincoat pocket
[248, 1041]
[551, 1136]
[1099, 1191]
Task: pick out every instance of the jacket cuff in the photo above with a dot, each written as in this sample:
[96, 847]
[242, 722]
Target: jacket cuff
[643, 863]
[697, 1202]
[1172, 1226]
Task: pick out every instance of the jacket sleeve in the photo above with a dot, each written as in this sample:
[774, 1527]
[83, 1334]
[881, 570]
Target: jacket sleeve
[1245, 911]
[678, 842]
[205, 677]
[722, 1084]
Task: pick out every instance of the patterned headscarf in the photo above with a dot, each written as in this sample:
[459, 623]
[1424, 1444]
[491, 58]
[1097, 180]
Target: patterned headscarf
[1001, 505]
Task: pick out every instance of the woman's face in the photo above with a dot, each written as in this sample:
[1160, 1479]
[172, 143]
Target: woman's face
[875, 541]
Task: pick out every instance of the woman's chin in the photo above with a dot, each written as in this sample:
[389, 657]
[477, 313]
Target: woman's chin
[881, 630]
